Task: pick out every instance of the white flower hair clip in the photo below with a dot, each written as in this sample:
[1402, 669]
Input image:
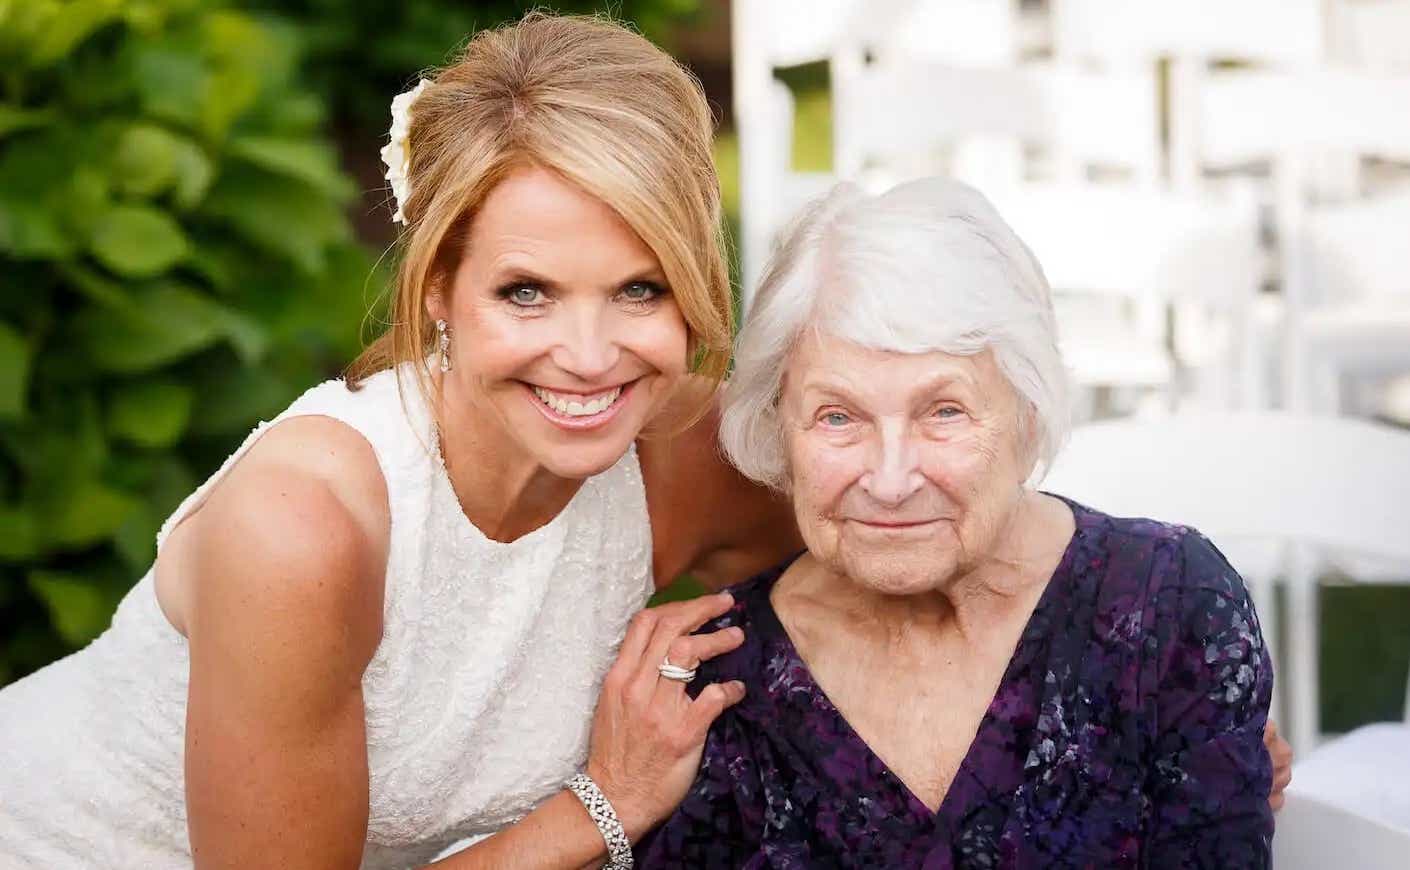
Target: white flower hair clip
[395, 153]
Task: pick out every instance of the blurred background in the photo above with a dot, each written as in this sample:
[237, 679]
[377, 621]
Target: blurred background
[194, 229]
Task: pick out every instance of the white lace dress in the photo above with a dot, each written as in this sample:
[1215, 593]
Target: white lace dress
[478, 699]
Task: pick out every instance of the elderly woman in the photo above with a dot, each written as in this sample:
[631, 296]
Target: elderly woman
[960, 671]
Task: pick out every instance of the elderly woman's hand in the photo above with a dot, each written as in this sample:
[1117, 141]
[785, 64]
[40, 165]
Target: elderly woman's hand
[1281, 754]
[648, 734]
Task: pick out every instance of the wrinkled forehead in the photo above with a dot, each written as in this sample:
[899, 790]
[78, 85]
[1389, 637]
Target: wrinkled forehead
[822, 363]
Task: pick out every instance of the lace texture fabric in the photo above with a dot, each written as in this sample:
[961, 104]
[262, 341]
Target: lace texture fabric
[478, 699]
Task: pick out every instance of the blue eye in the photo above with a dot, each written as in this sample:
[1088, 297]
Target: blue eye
[836, 418]
[641, 291]
[948, 412]
[524, 295]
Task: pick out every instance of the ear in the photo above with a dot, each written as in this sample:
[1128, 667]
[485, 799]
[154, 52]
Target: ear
[436, 306]
[1028, 439]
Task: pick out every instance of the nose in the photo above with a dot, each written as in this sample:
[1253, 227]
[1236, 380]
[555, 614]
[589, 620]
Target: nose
[894, 473]
[589, 349]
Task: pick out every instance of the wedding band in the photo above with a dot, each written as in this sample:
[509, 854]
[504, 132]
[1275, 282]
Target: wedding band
[675, 672]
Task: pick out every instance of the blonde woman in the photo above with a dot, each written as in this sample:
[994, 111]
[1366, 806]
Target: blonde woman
[383, 625]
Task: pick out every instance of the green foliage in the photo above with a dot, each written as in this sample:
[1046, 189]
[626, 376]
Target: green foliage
[364, 53]
[175, 265]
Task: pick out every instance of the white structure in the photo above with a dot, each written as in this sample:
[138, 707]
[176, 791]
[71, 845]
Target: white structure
[1285, 496]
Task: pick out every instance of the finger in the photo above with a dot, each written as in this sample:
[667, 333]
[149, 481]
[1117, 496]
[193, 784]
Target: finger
[639, 632]
[690, 650]
[1282, 779]
[1270, 734]
[1276, 802]
[683, 617]
[713, 700]
[677, 623]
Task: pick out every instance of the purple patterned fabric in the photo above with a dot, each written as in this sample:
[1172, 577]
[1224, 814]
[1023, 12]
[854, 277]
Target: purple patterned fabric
[1126, 732]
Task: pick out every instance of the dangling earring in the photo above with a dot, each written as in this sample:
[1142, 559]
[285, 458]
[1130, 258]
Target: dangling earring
[443, 343]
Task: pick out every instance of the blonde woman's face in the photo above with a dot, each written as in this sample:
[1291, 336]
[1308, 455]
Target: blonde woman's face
[563, 326]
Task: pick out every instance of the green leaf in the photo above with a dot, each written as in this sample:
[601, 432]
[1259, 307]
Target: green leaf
[233, 399]
[30, 231]
[168, 483]
[285, 217]
[19, 533]
[85, 515]
[194, 174]
[150, 413]
[162, 324]
[95, 287]
[171, 82]
[14, 372]
[138, 241]
[78, 608]
[311, 162]
[82, 201]
[74, 22]
[57, 445]
[249, 338]
[144, 163]
[14, 119]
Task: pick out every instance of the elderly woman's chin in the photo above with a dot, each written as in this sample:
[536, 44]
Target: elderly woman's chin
[890, 563]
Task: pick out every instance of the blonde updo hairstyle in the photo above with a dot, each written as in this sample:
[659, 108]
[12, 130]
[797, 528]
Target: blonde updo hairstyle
[605, 109]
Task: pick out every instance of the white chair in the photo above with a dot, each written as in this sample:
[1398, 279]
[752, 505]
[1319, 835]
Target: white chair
[767, 35]
[1123, 263]
[1284, 495]
[1372, 35]
[910, 115]
[1366, 772]
[1284, 33]
[1342, 252]
[1190, 35]
[1312, 834]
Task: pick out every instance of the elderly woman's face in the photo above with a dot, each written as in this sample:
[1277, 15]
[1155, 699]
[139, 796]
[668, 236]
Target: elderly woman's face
[905, 468]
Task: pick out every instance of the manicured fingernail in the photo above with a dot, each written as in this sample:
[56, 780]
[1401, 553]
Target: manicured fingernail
[736, 631]
[727, 596]
[738, 685]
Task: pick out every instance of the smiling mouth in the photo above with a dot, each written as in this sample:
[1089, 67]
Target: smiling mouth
[579, 410]
[575, 404]
[895, 524]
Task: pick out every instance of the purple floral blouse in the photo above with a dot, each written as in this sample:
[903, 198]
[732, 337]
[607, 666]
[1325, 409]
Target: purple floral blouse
[1127, 731]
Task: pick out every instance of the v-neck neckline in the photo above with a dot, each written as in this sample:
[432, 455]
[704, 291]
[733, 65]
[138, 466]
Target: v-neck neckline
[1035, 629]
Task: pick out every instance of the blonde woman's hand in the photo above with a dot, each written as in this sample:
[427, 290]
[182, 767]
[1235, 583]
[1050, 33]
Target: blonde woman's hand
[648, 733]
[1281, 754]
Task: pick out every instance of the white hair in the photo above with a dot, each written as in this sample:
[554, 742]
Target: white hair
[927, 266]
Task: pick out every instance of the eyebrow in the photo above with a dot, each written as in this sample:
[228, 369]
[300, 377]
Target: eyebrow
[517, 274]
[840, 391]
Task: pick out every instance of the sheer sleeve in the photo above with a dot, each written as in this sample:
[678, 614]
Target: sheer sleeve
[1210, 774]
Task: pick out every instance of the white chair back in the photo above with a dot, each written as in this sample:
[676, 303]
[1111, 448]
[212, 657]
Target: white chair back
[1313, 835]
[767, 35]
[896, 113]
[1124, 32]
[1372, 35]
[1156, 256]
[1282, 494]
[1335, 483]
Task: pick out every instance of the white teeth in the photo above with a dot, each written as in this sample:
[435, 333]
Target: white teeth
[578, 406]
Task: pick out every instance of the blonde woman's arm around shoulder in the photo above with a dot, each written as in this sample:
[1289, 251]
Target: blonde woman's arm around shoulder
[281, 602]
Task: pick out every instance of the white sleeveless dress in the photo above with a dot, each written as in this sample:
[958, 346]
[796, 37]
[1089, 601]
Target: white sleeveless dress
[478, 699]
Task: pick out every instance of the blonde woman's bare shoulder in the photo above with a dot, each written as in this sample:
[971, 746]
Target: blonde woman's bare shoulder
[297, 531]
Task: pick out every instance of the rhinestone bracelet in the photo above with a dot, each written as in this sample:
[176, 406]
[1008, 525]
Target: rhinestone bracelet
[619, 848]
